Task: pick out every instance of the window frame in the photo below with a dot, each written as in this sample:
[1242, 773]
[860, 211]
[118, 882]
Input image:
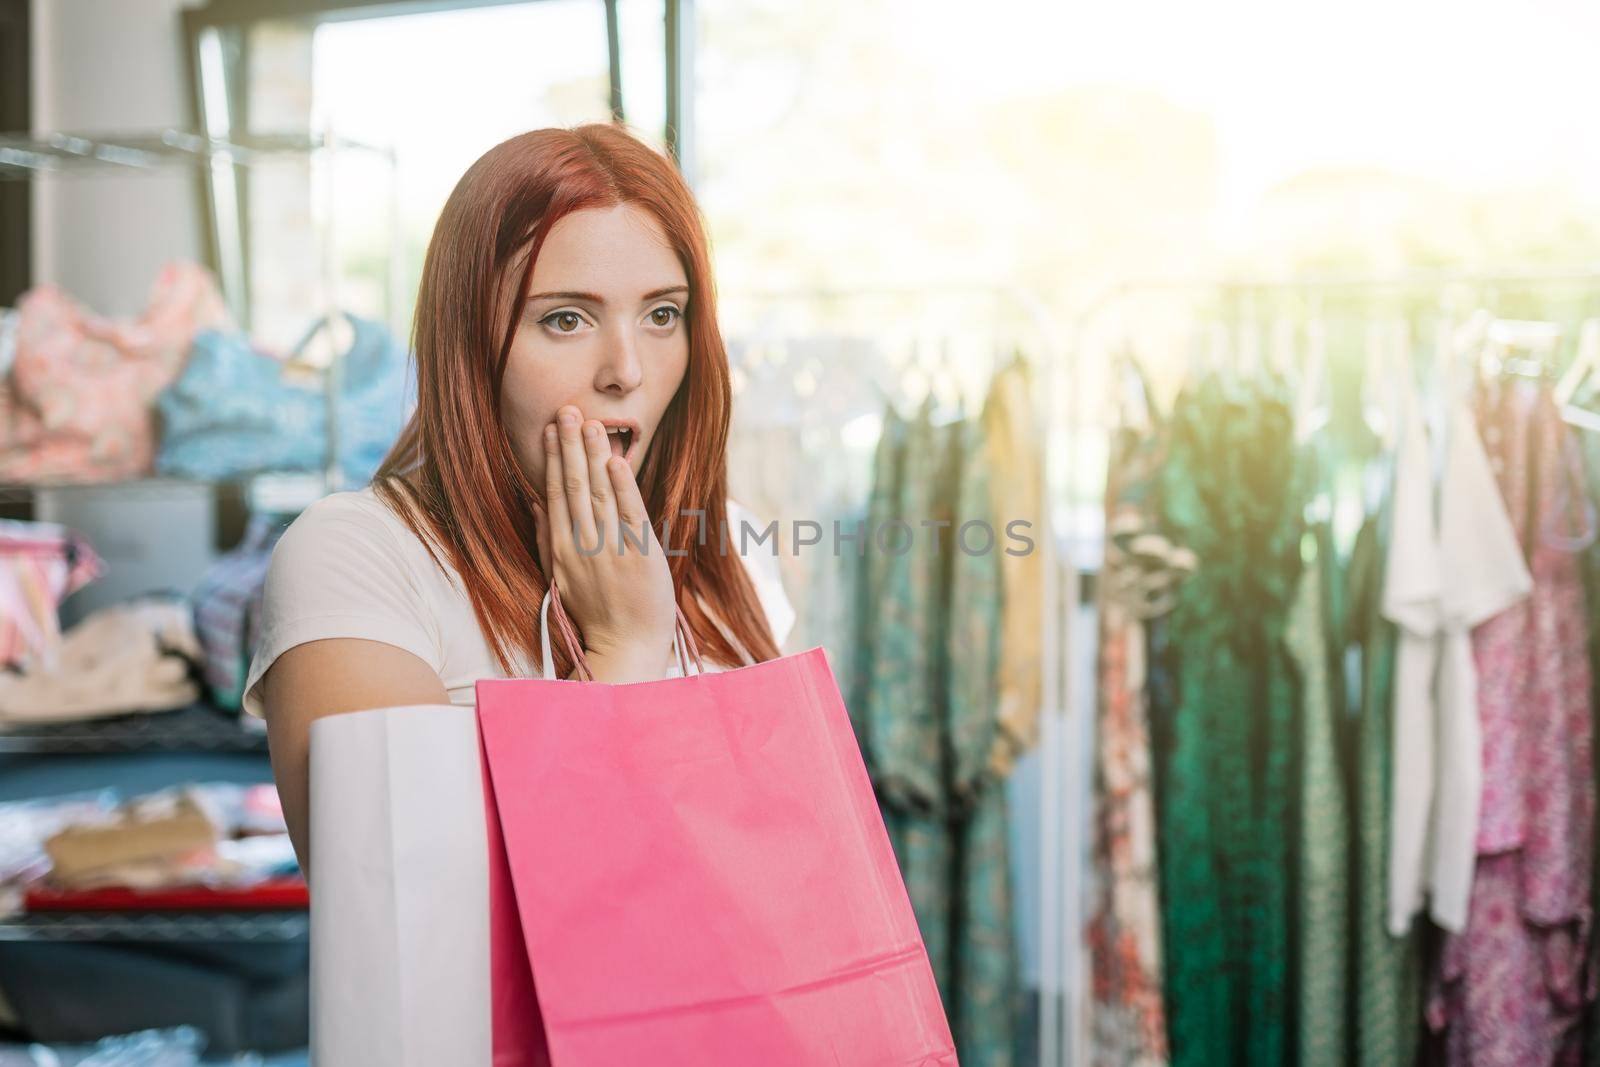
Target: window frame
[223, 190]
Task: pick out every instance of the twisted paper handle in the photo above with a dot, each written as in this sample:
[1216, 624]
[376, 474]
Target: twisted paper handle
[568, 633]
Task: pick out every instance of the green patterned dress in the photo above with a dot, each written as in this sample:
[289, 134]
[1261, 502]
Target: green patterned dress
[1322, 819]
[985, 977]
[924, 702]
[1385, 1010]
[1226, 751]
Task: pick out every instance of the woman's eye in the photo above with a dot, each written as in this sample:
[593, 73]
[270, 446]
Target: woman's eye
[569, 320]
[672, 314]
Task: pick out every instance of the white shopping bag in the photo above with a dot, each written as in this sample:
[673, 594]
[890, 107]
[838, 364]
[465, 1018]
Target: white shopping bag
[399, 890]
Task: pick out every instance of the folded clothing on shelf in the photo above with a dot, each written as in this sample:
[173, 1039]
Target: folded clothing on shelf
[24, 827]
[41, 564]
[211, 845]
[227, 610]
[157, 830]
[237, 410]
[269, 894]
[10, 319]
[178, 1046]
[129, 657]
[76, 405]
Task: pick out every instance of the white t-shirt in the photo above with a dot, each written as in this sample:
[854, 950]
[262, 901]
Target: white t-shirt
[348, 566]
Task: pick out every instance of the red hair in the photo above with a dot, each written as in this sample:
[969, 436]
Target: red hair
[453, 474]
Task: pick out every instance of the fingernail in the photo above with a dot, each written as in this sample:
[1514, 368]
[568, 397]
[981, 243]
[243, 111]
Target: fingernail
[591, 431]
[569, 417]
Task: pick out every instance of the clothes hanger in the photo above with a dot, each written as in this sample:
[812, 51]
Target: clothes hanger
[1522, 347]
[1281, 352]
[1217, 352]
[1133, 406]
[297, 351]
[949, 398]
[1313, 406]
[1468, 349]
[895, 397]
[1387, 346]
[1194, 360]
[1587, 360]
[1248, 350]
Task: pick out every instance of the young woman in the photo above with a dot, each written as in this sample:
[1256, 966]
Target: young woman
[571, 380]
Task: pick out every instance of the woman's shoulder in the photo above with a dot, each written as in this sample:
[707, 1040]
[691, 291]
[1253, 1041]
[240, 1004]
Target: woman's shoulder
[344, 535]
[353, 517]
[345, 569]
[359, 507]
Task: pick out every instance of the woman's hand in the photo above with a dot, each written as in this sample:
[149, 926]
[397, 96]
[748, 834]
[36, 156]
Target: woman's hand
[619, 597]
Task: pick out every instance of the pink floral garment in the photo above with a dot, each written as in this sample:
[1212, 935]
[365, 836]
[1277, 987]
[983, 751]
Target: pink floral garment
[41, 564]
[77, 406]
[1128, 1025]
[1511, 988]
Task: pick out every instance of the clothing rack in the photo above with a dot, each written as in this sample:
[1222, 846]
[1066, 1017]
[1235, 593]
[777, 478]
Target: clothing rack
[1039, 343]
[1063, 1035]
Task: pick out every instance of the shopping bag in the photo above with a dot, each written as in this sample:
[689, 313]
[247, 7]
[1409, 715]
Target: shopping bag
[700, 872]
[399, 877]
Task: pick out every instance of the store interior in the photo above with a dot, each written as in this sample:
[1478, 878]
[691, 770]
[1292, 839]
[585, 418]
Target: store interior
[1279, 332]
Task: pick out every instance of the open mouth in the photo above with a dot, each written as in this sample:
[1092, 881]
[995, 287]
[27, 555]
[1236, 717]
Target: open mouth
[620, 439]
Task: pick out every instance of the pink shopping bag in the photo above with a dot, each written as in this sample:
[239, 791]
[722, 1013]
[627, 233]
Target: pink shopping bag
[699, 874]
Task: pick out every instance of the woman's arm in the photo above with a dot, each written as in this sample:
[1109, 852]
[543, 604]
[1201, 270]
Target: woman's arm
[329, 677]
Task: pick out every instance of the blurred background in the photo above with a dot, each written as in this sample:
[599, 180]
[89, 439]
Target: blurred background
[1191, 286]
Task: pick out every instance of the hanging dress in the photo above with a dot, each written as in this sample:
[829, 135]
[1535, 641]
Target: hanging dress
[1137, 584]
[902, 687]
[985, 968]
[1512, 987]
[1229, 493]
[1385, 1010]
[925, 708]
[1017, 491]
[1321, 818]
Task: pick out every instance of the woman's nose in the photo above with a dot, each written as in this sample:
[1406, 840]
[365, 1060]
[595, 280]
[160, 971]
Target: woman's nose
[620, 368]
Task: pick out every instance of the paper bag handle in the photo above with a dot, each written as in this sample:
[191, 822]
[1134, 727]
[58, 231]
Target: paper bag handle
[682, 636]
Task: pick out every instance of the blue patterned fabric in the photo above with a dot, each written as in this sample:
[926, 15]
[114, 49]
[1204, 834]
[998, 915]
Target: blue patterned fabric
[233, 413]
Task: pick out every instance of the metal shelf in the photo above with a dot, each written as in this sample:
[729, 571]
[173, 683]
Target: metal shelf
[263, 927]
[198, 727]
[22, 156]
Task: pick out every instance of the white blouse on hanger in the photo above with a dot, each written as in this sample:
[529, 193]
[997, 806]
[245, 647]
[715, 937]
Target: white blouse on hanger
[1440, 582]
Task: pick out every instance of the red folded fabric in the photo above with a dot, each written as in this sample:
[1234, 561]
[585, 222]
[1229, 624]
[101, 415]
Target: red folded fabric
[273, 894]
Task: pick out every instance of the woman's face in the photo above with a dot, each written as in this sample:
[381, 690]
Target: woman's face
[602, 330]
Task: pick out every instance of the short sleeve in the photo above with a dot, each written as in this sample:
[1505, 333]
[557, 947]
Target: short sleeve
[1411, 583]
[339, 571]
[1478, 544]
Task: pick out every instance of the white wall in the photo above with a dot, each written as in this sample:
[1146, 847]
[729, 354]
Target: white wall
[107, 65]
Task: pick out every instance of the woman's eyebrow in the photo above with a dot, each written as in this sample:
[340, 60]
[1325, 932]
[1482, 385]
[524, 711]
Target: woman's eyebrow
[596, 298]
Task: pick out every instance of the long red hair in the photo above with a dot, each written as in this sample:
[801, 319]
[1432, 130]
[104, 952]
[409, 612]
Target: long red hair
[453, 476]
